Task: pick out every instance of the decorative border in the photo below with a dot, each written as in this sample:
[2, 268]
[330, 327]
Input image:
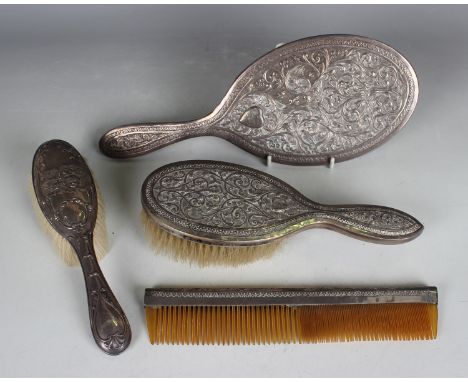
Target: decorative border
[161, 296]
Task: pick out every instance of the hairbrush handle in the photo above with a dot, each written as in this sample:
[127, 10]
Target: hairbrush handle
[134, 140]
[368, 222]
[109, 325]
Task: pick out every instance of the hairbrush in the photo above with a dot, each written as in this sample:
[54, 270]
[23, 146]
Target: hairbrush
[217, 212]
[269, 316]
[67, 197]
[332, 96]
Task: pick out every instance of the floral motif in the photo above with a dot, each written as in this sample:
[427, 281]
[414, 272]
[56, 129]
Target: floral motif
[224, 199]
[321, 102]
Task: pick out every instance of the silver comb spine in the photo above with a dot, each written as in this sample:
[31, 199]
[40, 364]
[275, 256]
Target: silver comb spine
[291, 297]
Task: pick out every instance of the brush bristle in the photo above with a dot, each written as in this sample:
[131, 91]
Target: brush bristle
[203, 254]
[63, 247]
[254, 325]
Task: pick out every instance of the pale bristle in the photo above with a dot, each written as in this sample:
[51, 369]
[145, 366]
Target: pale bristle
[203, 254]
[62, 246]
[255, 325]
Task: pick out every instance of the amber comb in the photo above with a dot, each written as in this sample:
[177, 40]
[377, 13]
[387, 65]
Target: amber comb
[271, 316]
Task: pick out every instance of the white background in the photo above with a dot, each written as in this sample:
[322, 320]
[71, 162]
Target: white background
[74, 72]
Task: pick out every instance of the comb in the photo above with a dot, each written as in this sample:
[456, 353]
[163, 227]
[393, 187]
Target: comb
[323, 97]
[217, 212]
[272, 316]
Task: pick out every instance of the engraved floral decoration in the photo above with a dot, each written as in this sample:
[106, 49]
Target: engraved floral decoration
[141, 136]
[383, 219]
[224, 198]
[320, 101]
[107, 319]
[66, 188]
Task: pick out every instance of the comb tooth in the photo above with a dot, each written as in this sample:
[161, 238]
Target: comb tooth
[207, 326]
[171, 319]
[150, 319]
[240, 325]
[284, 335]
[279, 332]
[157, 328]
[190, 323]
[198, 323]
[223, 325]
[248, 328]
[229, 328]
[283, 338]
[178, 324]
[234, 327]
[433, 317]
[215, 326]
[243, 326]
[294, 324]
[183, 325]
[198, 332]
[164, 325]
[209, 331]
[280, 325]
[287, 323]
[169, 325]
[210, 327]
[258, 326]
[268, 324]
[203, 325]
[175, 323]
[169, 338]
[274, 334]
[168, 333]
[237, 324]
[218, 326]
[202, 320]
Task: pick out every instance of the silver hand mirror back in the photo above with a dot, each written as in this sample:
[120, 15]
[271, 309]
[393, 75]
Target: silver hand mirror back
[303, 103]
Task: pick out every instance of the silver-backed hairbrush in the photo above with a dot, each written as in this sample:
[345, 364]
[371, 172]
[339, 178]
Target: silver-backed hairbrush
[217, 212]
[67, 198]
[332, 96]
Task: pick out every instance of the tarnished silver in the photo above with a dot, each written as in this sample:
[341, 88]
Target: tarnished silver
[227, 204]
[333, 96]
[66, 194]
[287, 296]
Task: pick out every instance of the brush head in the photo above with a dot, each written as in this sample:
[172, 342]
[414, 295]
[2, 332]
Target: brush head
[224, 205]
[234, 317]
[55, 172]
[201, 254]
